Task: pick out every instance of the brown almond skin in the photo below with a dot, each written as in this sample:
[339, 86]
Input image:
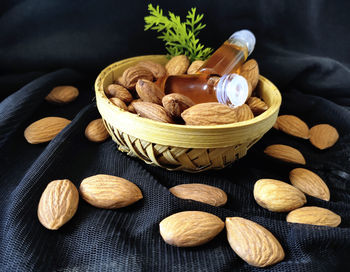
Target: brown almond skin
[292, 125]
[190, 228]
[58, 204]
[211, 113]
[176, 103]
[149, 91]
[133, 74]
[257, 105]
[285, 153]
[177, 65]
[109, 192]
[131, 105]
[157, 69]
[200, 192]
[323, 136]
[62, 95]
[152, 111]
[250, 71]
[118, 91]
[119, 103]
[253, 243]
[45, 129]
[278, 196]
[244, 113]
[309, 183]
[314, 216]
[194, 67]
[96, 131]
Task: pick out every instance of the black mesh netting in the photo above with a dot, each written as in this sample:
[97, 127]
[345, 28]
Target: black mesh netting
[300, 47]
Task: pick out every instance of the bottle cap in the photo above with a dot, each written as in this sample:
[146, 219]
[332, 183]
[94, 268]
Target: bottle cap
[232, 90]
[246, 37]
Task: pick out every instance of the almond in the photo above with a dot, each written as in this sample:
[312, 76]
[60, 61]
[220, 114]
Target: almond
[292, 125]
[133, 74]
[257, 105]
[109, 192]
[190, 228]
[200, 192]
[314, 216]
[250, 71]
[194, 67]
[211, 113]
[176, 103]
[244, 113]
[131, 105]
[149, 91]
[58, 204]
[119, 103]
[62, 95]
[45, 129]
[323, 136]
[96, 131]
[252, 242]
[285, 153]
[177, 65]
[118, 91]
[278, 196]
[152, 111]
[309, 183]
[157, 69]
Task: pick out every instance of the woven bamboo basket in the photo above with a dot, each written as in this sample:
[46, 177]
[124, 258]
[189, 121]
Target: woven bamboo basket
[180, 147]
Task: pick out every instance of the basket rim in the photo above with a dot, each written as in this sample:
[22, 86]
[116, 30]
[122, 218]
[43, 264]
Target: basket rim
[100, 92]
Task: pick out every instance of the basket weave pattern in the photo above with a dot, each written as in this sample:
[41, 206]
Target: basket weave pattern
[180, 147]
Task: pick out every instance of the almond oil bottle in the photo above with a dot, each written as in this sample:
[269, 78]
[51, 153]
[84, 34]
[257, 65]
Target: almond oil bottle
[217, 80]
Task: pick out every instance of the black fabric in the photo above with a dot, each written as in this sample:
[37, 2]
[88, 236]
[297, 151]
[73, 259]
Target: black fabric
[302, 47]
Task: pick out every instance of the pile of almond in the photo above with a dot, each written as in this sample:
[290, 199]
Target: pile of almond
[136, 91]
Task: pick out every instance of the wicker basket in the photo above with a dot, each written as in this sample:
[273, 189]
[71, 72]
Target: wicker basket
[180, 147]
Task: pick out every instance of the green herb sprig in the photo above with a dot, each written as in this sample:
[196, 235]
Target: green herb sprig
[179, 37]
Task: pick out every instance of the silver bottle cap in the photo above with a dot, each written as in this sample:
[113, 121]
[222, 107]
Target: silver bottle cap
[232, 90]
[246, 37]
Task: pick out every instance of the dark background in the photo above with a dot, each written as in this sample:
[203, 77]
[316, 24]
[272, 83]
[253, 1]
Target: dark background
[302, 47]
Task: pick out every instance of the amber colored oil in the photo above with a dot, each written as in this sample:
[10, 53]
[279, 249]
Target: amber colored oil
[201, 86]
[226, 59]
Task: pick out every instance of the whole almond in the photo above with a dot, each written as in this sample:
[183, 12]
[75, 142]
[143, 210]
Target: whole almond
[285, 153]
[194, 67]
[133, 74]
[177, 65]
[62, 95]
[323, 136]
[314, 216]
[118, 91]
[58, 204]
[292, 125]
[176, 103]
[200, 192]
[149, 91]
[252, 242]
[257, 105]
[119, 103]
[157, 69]
[278, 196]
[45, 129]
[131, 105]
[250, 71]
[211, 113]
[152, 111]
[190, 228]
[96, 131]
[309, 183]
[244, 113]
[109, 192]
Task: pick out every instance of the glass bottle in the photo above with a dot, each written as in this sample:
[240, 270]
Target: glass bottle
[206, 85]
